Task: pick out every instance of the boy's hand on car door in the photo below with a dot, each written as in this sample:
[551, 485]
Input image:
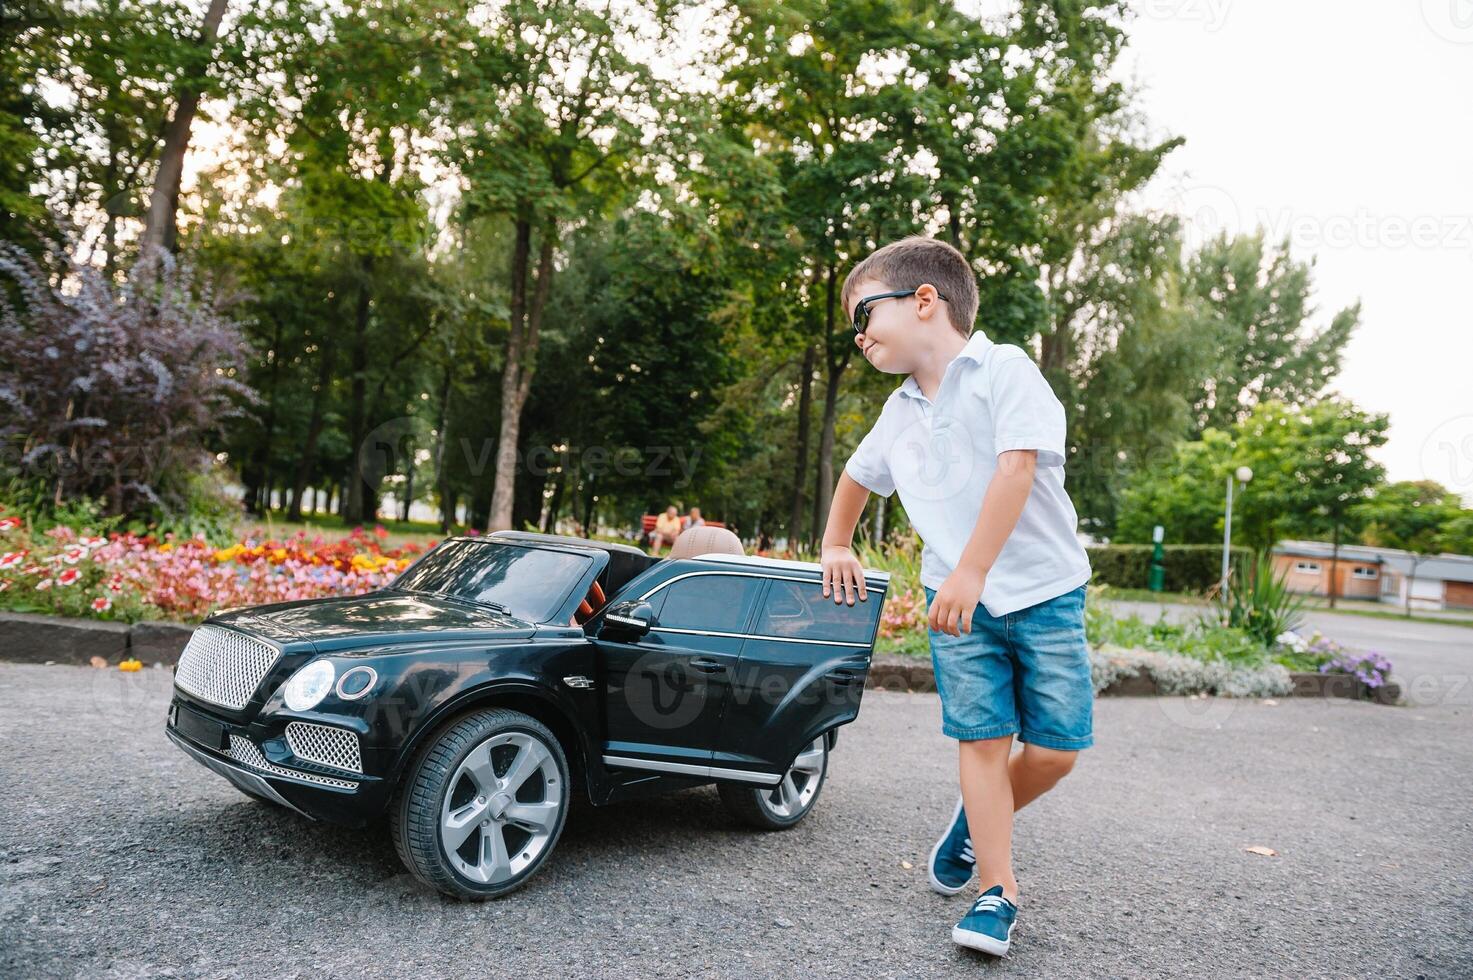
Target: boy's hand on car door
[843, 575]
[955, 602]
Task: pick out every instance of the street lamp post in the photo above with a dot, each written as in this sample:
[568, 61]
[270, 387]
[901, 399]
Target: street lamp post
[1243, 474]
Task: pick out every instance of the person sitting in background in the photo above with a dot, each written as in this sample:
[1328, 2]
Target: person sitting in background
[667, 529]
[694, 519]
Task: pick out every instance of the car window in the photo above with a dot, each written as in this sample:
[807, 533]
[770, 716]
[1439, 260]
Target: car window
[720, 603]
[530, 582]
[799, 609]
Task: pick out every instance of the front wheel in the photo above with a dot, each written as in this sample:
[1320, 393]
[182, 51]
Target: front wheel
[782, 806]
[483, 805]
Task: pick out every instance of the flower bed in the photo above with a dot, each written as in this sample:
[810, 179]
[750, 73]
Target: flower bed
[129, 577]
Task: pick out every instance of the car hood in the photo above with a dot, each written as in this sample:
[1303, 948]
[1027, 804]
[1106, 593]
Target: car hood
[372, 620]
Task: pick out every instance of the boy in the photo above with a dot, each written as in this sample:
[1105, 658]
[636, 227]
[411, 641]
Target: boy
[973, 440]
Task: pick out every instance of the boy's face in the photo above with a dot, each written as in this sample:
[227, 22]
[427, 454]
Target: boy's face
[900, 330]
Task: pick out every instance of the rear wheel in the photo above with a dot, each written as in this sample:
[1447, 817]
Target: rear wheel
[784, 805]
[483, 805]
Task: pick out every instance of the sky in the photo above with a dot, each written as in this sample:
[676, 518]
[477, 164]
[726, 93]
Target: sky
[1347, 127]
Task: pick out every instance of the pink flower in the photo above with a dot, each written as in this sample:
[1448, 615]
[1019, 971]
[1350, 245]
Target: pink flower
[12, 558]
[43, 585]
[7, 523]
[68, 577]
[73, 555]
[101, 604]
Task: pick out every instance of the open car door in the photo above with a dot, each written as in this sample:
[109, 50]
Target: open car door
[801, 671]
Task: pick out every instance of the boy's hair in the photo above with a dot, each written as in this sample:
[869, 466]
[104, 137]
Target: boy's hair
[912, 261]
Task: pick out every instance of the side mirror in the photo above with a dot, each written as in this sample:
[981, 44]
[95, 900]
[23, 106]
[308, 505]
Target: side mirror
[632, 618]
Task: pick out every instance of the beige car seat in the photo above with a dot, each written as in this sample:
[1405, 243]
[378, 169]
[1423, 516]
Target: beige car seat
[703, 539]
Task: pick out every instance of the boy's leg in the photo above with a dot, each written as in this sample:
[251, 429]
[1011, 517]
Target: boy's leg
[1036, 770]
[974, 676]
[987, 797]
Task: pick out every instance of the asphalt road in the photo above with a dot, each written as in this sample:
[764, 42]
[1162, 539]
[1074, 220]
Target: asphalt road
[1433, 661]
[120, 857]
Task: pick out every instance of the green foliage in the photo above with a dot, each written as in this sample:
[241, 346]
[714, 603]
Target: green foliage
[1189, 567]
[1260, 603]
[1255, 300]
[1311, 466]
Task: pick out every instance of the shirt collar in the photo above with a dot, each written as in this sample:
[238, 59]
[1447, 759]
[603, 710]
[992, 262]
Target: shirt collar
[976, 348]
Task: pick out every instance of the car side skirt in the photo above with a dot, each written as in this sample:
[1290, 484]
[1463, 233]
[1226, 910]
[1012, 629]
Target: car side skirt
[689, 769]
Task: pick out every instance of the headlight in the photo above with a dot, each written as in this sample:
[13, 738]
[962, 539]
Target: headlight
[309, 686]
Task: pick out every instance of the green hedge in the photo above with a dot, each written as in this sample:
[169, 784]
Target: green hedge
[1189, 567]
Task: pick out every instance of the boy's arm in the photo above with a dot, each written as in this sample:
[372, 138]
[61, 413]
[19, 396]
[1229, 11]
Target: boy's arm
[843, 576]
[1002, 505]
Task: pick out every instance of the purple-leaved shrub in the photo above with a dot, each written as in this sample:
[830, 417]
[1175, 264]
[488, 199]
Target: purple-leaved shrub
[110, 390]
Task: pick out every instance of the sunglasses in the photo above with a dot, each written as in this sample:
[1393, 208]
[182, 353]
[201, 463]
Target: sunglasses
[861, 309]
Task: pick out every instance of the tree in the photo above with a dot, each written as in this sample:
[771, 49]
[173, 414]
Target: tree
[1418, 516]
[548, 122]
[159, 230]
[1310, 468]
[1256, 299]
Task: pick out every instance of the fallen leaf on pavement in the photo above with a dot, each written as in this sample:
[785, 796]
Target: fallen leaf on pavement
[1267, 852]
[906, 865]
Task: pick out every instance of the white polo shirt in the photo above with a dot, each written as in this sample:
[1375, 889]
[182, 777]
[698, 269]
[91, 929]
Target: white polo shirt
[941, 458]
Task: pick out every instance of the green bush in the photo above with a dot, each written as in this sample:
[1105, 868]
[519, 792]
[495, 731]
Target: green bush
[1260, 602]
[1189, 567]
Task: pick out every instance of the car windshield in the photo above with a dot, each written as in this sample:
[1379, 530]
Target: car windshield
[528, 583]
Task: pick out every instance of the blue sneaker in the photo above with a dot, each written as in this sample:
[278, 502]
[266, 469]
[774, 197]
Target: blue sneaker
[952, 861]
[988, 924]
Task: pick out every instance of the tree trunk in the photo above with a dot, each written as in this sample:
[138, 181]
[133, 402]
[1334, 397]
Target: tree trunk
[1334, 565]
[521, 360]
[160, 230]
[549, 523]
[442, 419]
[358, 399]
[259, 470]
[800, 454]
[836, 367]
[308, 457]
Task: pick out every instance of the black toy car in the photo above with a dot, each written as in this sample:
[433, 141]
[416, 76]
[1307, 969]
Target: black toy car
[494, 678]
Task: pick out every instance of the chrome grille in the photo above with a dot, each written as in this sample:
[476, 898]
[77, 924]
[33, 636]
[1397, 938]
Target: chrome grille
[336, 747]
[244, 751]
[224, 667]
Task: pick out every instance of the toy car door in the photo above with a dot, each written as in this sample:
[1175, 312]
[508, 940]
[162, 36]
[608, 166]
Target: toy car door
[664, 690]
[801, 672]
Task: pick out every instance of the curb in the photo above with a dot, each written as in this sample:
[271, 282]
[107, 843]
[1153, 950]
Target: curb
[891, 672]
[31, 638]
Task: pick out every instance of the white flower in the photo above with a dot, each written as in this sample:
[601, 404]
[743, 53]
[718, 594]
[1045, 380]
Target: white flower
[1292, 640]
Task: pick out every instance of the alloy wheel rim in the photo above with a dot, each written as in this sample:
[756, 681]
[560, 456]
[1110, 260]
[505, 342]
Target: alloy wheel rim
[792, 795]
[500, 808]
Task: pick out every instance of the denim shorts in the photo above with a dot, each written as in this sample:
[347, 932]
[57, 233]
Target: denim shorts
[1026, 673]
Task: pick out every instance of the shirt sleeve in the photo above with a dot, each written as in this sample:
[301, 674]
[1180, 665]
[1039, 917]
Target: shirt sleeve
[868, 466]
[1026, 414]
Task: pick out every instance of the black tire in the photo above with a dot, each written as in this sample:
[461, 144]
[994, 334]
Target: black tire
[757, 807]
[415, 815]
